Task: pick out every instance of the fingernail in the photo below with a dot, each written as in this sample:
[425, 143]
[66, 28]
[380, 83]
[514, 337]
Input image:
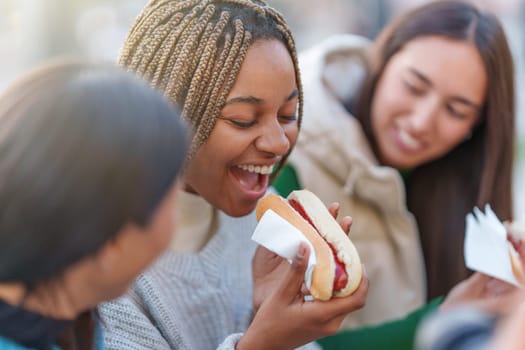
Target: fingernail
[301, 252]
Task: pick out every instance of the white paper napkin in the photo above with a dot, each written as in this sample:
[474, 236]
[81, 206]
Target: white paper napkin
[486, 246]
[279, 236]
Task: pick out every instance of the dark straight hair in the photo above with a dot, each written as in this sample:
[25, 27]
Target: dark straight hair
[476, 172]
[84, 149]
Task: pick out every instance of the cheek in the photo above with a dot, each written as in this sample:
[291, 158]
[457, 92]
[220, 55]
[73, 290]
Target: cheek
[452, 134]
[292, 132]
[164, 234]
[390, 98]
[378, 115]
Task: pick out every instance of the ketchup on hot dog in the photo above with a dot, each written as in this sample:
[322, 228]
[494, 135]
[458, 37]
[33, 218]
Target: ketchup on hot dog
[341, 277]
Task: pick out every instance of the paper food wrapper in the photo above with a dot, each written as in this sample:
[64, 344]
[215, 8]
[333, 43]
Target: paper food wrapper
[279, 236]
[486, 246]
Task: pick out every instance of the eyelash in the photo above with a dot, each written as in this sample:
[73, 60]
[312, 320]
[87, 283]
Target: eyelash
[242, 125]
[288, 119]
[412, 89]
[246, 125]
[418, 92]
[455, 113]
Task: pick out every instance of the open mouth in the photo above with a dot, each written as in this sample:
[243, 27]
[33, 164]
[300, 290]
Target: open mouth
[252, 179]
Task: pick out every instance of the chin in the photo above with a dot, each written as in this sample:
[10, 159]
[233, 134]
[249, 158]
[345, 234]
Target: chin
[238, 211]
[399, 163]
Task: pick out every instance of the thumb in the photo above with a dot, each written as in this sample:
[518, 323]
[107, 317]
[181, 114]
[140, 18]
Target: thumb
[291, 284]
[478, 280]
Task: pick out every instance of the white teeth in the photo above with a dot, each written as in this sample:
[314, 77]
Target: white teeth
[408, 140]
[264, 169]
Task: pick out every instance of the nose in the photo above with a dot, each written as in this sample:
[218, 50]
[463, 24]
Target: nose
[273, 139]
[424, 116]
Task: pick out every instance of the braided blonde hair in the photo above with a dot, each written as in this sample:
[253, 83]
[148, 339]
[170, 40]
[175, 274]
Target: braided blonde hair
[192, 50]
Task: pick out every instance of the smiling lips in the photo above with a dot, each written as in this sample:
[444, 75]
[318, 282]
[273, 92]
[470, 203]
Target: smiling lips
[408, 142]
[253, 179]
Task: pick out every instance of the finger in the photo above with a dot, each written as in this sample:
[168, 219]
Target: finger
[498, 305]
[510, 334]
[263, 256]
[334, 209]
[346, 224]
[291, 285]
[304, 290]
[337, 307]
[478, 280]
[263, 251]
[497, 287]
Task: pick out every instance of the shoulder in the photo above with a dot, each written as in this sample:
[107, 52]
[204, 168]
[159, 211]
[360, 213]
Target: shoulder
[335, 51]
[337, 44]
[334, 69]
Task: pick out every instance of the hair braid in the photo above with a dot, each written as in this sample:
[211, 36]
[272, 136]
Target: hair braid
[293, 52]
[247, 3]
[151, 47]
[184, 65]
[170, 57]
[153, 66]
[201, 81]
[146, 23]
[159, 63]
[193, 50]
[149, 39]
[216, 69]
[222, 86]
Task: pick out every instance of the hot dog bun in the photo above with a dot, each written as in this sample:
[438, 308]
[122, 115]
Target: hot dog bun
[324, 272]
[334, 235]
[326, 236]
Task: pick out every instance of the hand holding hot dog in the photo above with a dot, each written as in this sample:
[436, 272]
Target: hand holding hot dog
[337, 271]
[285, 320]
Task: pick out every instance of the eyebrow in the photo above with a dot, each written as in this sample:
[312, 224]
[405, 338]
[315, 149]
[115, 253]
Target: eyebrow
[420, 76]
[460, 99]
[256, 100]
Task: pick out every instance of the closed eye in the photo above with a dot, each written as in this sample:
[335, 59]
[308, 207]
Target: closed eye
[413, 89]
[241, 124]
[288, 119]
[455, 113]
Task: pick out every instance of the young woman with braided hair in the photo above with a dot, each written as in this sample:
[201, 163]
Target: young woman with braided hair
[231, 67]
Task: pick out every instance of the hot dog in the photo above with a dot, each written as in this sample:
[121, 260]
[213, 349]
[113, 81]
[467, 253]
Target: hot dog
[338, 271]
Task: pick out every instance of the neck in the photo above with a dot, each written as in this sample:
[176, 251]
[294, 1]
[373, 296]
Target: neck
[50, 299]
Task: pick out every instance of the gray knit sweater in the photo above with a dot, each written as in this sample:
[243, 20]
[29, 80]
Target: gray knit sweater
[190, 301]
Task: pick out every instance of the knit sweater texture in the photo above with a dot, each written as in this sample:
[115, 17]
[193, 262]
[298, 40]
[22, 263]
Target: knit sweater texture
[190, 301]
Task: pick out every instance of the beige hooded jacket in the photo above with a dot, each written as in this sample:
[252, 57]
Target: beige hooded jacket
[334, 160]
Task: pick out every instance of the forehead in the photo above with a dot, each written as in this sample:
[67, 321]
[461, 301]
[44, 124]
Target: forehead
[455, 66]
[267, 66]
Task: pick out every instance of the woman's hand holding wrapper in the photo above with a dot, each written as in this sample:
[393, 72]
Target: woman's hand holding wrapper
[280, 306]
[495, 250]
